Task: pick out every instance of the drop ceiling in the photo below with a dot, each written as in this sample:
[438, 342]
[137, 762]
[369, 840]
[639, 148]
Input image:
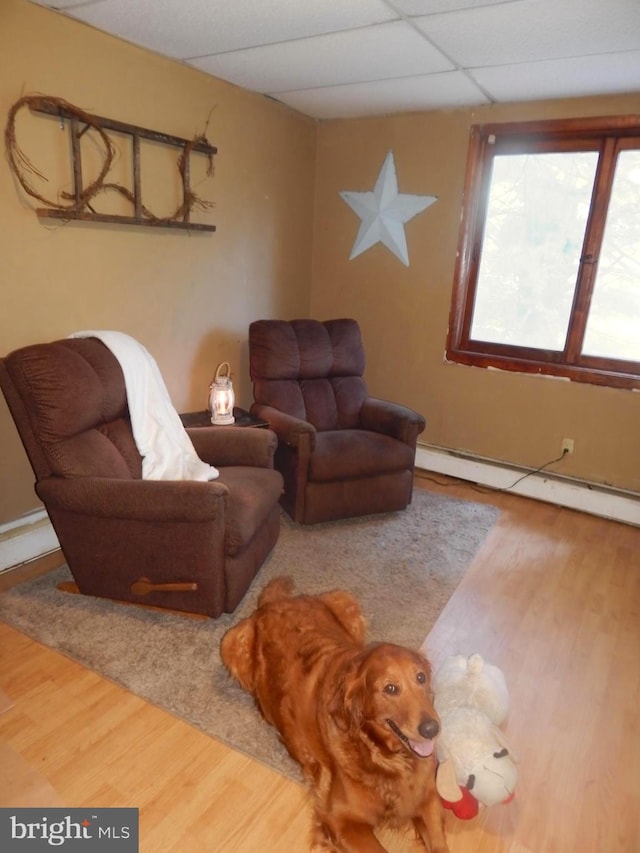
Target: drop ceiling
[347, 58]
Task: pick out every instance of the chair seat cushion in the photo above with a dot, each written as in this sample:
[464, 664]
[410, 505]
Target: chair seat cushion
[252, 495]
[354, 453]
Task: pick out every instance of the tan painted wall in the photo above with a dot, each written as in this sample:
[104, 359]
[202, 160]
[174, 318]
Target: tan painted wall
[189, 298]
[404, 312]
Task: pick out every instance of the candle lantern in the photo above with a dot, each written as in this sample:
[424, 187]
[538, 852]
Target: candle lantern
[221, 396]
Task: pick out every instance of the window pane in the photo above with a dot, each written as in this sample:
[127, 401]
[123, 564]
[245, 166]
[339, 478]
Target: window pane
[536, 216]
[613, 327]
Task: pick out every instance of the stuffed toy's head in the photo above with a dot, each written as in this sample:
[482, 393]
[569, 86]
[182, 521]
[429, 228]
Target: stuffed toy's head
[476, 764]
[473, 682]
[473, 754]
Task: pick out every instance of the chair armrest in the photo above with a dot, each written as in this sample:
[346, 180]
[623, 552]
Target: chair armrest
[137, 500]
[229, 445]
[392, 419]
[288, 428]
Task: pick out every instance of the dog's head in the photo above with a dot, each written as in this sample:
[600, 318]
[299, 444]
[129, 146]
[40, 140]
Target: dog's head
[387, 695]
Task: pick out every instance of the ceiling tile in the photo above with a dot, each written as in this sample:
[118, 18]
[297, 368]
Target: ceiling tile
[427, 92]
[535, 29]
[190, 28]
[562, 78]
[352, 56]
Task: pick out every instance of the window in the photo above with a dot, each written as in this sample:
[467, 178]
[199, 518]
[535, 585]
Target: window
[547, 276]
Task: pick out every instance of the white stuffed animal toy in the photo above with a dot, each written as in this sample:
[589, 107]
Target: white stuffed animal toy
[476, 765]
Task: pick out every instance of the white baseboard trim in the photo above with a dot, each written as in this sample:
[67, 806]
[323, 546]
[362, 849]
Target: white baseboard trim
[615, 504]
[26, 539]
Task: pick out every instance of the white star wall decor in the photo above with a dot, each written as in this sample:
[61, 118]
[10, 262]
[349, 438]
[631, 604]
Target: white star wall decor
[384, 212]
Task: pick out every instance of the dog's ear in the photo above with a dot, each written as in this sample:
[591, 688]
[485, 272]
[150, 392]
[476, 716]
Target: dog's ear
[336, 709]
[346, 706]
[355, 700]
[237, 652]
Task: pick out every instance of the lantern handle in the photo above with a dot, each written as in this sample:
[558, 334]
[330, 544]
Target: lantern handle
[222, 365]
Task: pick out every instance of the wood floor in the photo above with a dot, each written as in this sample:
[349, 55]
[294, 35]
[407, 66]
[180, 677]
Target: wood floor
[552, 597]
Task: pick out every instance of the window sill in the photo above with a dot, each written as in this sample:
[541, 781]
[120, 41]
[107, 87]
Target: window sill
[571, 373]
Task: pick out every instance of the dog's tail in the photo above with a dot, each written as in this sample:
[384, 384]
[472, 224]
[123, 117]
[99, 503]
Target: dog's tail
[277, 589]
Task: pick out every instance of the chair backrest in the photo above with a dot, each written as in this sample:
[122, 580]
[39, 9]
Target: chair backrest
[69, 403]
[309, 369]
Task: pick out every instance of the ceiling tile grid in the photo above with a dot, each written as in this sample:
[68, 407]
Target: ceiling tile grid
[412, 94]
[341, 58]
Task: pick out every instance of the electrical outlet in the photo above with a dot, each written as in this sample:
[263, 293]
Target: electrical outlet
[567, 445]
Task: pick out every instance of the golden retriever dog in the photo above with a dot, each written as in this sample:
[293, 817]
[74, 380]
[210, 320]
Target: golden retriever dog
[358, 718]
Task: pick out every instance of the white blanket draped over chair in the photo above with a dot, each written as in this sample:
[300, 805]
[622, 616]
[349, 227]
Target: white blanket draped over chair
[162, 441]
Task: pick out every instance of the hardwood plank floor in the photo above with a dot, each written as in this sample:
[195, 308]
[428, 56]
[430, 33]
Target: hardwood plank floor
[552, 597]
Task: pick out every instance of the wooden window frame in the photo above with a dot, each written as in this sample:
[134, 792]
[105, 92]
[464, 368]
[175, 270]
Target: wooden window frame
[607, 135]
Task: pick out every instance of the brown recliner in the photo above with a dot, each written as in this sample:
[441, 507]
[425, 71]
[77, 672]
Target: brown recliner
[184, 545]
[341, 452]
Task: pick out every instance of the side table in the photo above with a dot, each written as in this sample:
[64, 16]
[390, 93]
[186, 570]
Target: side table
[203, 419]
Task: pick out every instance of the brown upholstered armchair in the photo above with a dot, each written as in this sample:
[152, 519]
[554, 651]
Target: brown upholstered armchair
[184, 545]
[341, 452]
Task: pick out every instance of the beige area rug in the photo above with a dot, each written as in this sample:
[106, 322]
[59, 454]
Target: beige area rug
[402, 567]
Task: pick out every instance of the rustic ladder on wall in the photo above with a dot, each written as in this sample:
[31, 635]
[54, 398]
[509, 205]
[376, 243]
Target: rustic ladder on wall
[79, 128]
